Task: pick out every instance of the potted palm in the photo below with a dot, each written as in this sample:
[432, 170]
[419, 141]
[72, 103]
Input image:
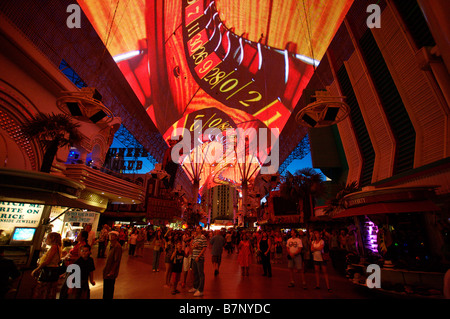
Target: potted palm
[337, 204]
[53, 132]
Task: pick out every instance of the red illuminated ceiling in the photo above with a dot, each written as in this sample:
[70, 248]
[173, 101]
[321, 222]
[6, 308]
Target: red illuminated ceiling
[228, 63]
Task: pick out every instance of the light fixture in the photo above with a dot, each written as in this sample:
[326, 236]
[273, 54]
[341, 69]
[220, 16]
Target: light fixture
[126, 56]
[325, 110]
[85, 105]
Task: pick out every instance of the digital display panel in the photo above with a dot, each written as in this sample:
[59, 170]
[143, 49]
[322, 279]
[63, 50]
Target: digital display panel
[22, 235]
[223, 64]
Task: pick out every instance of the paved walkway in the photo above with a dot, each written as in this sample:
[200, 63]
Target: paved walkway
[137, 281]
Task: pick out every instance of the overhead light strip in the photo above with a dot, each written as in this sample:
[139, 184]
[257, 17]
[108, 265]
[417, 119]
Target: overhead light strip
[126, 56]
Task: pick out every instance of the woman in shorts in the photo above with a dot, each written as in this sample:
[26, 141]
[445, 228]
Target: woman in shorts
[317, 246]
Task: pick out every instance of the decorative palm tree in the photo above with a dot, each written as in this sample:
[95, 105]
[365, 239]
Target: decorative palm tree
[192, 215]
[337, 204]
[53, 131]
[302, 188]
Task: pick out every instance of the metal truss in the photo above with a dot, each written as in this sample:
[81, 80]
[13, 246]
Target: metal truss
[128, 140]
[299, 152]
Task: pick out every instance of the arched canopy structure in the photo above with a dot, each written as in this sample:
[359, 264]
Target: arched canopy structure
[225, 64]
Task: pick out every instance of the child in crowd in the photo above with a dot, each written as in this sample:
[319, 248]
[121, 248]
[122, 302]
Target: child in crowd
[187, 262]
[87, 268]
[177, 266]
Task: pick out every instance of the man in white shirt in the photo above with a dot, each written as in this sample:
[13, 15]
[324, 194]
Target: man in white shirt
[91, 236]
[199, 244]
[294, 248]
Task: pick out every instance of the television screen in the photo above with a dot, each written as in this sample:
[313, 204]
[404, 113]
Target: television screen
[22, 235]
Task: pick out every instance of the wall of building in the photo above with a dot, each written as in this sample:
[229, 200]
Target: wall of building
[398, 91]
[221, 201]
[30, 83]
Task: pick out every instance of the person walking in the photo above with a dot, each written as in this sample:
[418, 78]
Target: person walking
[217, 243]
[158, 243]
[236, 238]
[70, 258]
[306, 250]
[102, 241]
[187, 261]
[132, 241]
[245, 254]
[112, 265]
[177, 266]
[123, 236]
[271, 236]
[46, 273]
[140, 242]
[229, 243]
[87, 267]
[317, 246]
[91, 235]
[294, 248]
[199, 244]
[264, 248]
[74, 253]
[168, 250]
[278, 243]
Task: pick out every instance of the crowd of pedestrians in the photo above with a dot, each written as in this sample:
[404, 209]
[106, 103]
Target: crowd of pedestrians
[54, 264]
[183, 253]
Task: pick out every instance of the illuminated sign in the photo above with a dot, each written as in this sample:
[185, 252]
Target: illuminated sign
[241, 74]
[79, 217]
[260, 78]
[200, 61]
[19, 214]
[126, 159]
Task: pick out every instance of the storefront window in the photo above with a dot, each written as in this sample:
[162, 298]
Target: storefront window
[69, 222]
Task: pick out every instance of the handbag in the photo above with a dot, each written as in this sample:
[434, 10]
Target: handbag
[49, 274]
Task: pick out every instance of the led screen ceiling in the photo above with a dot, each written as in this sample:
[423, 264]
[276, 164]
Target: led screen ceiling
[199, 64]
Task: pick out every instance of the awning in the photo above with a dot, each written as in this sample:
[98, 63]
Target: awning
[42, 197]
[23, 186]
[390, 208]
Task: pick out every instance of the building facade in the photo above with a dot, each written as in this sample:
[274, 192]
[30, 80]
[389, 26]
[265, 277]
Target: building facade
[222, 202]
[394, 144]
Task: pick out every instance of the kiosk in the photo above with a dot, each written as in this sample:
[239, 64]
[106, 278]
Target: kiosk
[28, 203]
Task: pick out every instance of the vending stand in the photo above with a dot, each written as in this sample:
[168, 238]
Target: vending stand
[397, 230]
[33, 204]
[19, 223]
